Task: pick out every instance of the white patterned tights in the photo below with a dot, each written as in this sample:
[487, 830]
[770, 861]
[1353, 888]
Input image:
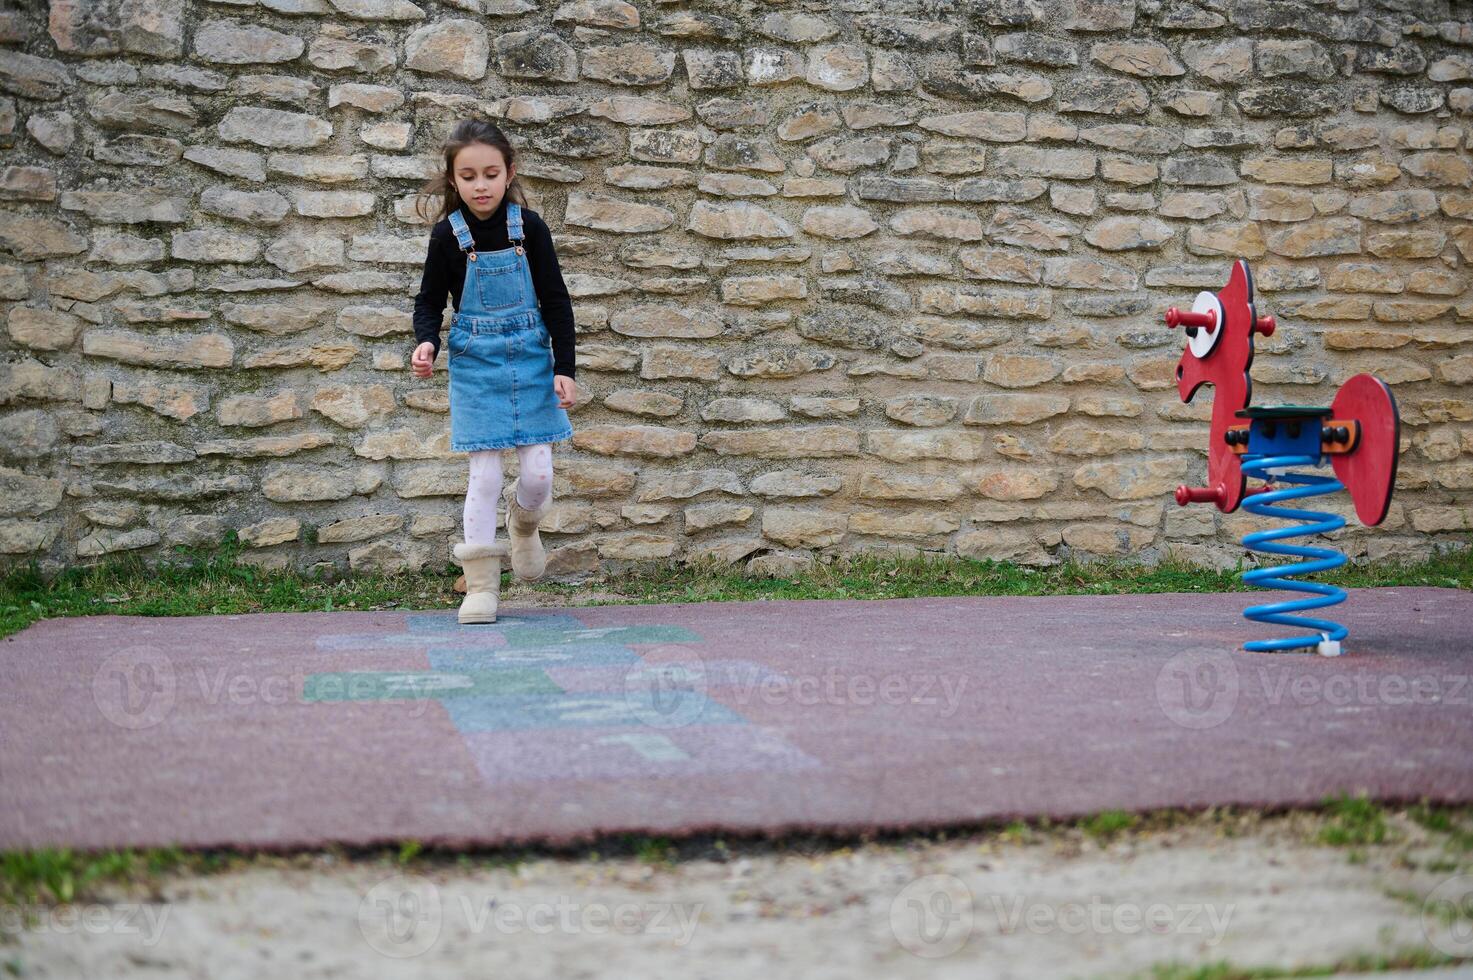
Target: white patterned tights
[483, 495]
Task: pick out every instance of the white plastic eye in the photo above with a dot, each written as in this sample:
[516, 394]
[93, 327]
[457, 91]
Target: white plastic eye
[1202, 342]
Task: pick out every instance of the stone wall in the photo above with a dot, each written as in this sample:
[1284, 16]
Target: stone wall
[850, 275]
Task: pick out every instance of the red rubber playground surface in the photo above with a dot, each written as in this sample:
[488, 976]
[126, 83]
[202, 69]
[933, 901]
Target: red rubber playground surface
[283, 730]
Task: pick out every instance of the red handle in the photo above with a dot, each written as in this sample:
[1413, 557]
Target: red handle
[1265, 325]
[1198, 495]
[1175, 318]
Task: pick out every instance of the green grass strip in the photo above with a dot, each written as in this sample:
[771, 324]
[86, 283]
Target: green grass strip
[216, 581]
[1406, 958]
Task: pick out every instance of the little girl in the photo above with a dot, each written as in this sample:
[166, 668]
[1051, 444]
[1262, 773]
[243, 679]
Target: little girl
[510, 351]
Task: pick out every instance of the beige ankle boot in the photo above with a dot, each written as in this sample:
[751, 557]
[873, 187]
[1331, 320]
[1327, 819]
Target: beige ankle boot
[482, 564]
[528, 560]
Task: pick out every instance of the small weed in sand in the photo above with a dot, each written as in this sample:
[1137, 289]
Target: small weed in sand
[1353, 822]
[1108, 824]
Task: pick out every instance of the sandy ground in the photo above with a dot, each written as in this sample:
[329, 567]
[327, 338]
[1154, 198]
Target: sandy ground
[1250, 891]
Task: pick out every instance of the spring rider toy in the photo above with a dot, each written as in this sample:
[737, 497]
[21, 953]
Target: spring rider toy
[1359, 435]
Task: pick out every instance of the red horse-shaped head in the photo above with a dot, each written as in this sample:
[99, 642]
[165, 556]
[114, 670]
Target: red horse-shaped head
[1219, 352]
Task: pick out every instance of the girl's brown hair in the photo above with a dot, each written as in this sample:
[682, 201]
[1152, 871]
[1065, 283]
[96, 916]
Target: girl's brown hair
[441, 188]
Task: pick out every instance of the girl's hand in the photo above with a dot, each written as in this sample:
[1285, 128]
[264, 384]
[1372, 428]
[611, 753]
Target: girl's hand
[566, 389]
[423, 361]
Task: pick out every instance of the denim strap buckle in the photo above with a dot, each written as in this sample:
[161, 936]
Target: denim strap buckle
[463, 234]
[514, 232]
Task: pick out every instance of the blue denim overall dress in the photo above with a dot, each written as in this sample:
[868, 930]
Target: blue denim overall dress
[499, 350]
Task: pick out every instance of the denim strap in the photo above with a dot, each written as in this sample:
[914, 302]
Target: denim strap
[462, 231]
[514, 223]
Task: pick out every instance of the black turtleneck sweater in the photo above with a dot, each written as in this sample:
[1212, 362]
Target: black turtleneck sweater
[445, 275]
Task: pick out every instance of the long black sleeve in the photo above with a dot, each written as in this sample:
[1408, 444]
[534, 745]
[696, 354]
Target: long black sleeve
[444, 276]
[552, 293]
[434, 287]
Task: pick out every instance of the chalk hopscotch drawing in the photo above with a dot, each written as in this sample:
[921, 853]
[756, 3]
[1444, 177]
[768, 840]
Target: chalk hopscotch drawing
[546, 697]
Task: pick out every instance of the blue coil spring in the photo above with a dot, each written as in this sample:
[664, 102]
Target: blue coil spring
[1271, 542]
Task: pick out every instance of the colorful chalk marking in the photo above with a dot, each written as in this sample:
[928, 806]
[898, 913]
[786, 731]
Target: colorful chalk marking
[542, 698]
[402, 685]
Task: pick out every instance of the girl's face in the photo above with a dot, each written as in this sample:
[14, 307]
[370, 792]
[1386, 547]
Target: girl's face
[481, 176]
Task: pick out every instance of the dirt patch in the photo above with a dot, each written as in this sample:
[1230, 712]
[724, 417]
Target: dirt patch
[1263, 893]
